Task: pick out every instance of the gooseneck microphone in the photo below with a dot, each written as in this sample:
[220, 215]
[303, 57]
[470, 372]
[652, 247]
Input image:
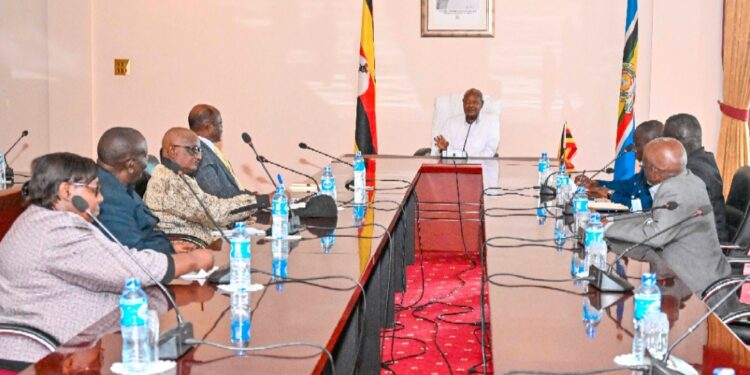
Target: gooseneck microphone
[172, 343]
[246, 138]
[608, 281]
[304, 146]
[262, 159]
[628, 148]
[671, 205]
[9, 174]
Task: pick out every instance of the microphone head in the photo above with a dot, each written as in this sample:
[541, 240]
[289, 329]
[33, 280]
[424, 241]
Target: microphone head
[671, 205]
[629, 147]
[24, 133]
[80, 204]
[705, 210]
[303, 145]
[246, 138]
[261, 158]
[609, 170]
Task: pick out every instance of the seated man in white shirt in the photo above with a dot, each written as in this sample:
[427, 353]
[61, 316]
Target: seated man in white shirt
[477, 136]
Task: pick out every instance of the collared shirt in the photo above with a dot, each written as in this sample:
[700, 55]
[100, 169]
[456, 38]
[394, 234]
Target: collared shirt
[480, 138]
[654, 189]
[127, 217]
[624, 190]
[180, 212]
[208, 143]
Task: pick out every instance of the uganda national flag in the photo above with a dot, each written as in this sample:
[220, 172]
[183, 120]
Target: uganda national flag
[365, 135]
[625, 164]
[567, 149]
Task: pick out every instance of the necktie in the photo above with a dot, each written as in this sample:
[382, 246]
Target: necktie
[229, 166]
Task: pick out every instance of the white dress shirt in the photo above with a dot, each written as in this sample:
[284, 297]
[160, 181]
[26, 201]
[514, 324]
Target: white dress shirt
[481, 137]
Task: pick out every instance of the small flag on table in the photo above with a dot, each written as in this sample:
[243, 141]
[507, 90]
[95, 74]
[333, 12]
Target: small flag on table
[568, 148]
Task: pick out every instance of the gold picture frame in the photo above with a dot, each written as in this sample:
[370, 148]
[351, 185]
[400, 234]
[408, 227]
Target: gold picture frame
[458, 18]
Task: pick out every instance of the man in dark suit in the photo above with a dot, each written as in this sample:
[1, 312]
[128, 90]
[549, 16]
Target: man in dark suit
[121, 157]
[686, 129]
[692, 248]
[215, 175]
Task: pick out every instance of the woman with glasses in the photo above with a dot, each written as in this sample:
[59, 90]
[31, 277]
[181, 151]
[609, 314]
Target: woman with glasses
[59, 273]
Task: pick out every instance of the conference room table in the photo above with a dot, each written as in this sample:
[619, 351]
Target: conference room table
[529, 327]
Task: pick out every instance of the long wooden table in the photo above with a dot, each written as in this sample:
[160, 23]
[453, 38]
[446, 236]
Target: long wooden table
[531, 328]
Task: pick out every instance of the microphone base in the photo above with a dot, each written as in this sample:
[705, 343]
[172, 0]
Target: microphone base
[608, 281]
[672, 366]
[172, 343]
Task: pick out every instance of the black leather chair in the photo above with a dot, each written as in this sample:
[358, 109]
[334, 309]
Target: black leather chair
[425, 151]
[737, 204]
[732, 312]
[140, 186]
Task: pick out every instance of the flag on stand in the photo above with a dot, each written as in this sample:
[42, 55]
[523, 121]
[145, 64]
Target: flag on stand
[625, 164]
[567, 148]
[365, 134]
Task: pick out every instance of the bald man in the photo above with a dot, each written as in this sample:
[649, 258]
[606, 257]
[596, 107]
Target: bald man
[686, 129]
[691, 249]
[122, 154]
[169, 193]
[632, 192]
[477, 136]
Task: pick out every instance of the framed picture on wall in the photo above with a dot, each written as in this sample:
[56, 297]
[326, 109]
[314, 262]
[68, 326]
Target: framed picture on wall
[458, 18]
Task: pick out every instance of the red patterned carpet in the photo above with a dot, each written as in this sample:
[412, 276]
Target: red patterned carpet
[437, 328]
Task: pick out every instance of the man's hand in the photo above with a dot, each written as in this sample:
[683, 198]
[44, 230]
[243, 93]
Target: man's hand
[582, 180]
[598, 192]
[203, 259]
[183, 246]
[441, 142]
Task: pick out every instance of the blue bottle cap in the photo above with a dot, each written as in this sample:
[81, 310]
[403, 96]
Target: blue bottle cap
[594, 218]
[648, 278]
[132, 283]
[544, 155]
[581, 190]
[278, 177]
[241, 225]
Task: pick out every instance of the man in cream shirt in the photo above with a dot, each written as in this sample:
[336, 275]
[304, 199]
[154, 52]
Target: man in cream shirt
[476, 135]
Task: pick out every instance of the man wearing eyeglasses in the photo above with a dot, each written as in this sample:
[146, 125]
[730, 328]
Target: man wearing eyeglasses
[175, 197]
[121, 159]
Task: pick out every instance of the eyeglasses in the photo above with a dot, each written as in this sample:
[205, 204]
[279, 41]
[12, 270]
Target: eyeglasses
[192, 150]
[95, 189]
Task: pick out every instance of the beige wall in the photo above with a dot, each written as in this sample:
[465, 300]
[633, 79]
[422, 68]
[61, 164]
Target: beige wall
[285, 71]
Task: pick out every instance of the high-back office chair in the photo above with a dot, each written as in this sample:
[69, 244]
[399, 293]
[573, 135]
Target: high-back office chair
[737, 319]
[447, 106]
[140, 186]
[738, 201]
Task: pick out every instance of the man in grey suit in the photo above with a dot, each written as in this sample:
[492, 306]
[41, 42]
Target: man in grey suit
[691, 249]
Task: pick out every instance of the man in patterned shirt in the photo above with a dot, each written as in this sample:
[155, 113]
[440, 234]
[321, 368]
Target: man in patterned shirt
[177, 200]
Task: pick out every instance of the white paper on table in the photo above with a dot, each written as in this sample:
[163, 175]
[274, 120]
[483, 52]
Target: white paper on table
[200, 275]
[253, 232]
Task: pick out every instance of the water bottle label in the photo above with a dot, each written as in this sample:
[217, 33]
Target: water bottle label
[644, 305]
[580, 205]
[240, 248]
[592, 237]
[327, 184]
[133, 312]
[280, 207]
[241, 330]
[543, 166]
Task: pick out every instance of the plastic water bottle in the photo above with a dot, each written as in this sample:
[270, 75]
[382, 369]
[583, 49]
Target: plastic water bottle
[136, 352]
[591, 317]
[328, 182]
[564, 189]
[647, 298]
[240, 318]
[579, 264]
[326, 242]
[541, 216]
[280, 214]
[594, 243]
[239, 258]
[656, 329]
[561, 231]
[2, 172]
[581, 209]
[359, 179]
[543, 169]
[279, 262]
